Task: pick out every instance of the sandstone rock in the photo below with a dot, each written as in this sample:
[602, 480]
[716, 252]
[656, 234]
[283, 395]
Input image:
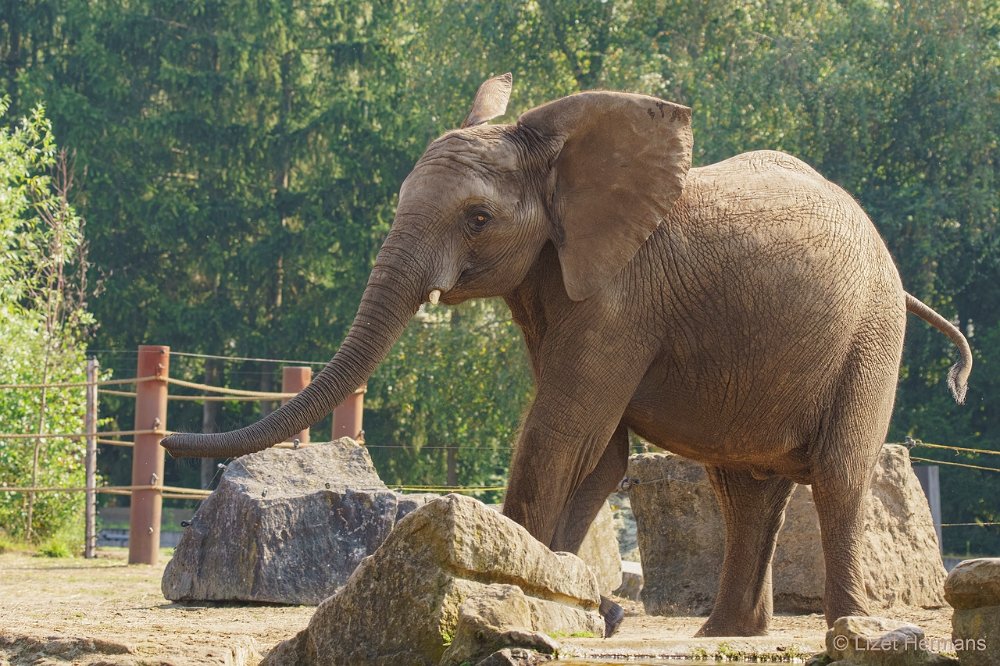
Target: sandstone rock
[497, 617]
[974, 583]
[600, 551]
[284, 526]
[681, 537]
[404, 603]
[876, 641]
[973, 589]
[902, 551]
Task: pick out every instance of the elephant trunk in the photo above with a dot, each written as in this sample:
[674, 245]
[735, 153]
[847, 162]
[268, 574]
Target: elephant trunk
[393, 295]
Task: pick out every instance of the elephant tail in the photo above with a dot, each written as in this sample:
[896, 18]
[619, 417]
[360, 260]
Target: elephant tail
[958, 377]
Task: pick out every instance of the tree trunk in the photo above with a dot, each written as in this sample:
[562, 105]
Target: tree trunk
[452, 466]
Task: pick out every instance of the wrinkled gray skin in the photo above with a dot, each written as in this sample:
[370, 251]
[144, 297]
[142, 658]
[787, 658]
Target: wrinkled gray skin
[746, 315]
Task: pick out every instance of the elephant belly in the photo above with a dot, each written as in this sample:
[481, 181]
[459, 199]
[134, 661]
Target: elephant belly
[766, 445]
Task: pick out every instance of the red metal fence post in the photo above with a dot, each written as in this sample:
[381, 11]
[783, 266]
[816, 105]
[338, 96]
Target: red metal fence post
[147, 454]
[348, 416]
[294, 378]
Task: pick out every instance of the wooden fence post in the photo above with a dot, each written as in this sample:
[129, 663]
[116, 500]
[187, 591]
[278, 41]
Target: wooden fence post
[90, 427]
[294, 378]
[348, 416]
[147, 454]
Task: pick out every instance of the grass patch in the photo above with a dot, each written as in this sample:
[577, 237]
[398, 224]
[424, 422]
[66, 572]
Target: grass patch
[724, 652]
[54, 548]
[9, 545]
[576, 634]
[67, 542]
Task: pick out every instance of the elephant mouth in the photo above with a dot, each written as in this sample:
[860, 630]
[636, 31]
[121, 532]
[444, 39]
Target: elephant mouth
[450, 295]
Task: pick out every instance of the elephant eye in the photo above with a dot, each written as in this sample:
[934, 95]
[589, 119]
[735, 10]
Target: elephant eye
[478, 219]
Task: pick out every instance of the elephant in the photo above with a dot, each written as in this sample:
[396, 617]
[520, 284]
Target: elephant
[745, 314]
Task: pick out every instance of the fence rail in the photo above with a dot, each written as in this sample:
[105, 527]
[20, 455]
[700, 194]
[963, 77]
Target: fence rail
[103, 382]
[151, 395]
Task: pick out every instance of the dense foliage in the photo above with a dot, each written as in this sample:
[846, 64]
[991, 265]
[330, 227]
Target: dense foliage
[42, 326]
[240, 162]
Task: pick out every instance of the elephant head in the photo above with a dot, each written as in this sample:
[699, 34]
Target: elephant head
[593, 174]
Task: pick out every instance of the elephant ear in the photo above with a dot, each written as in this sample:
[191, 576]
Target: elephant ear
[620, 165]
[491, 100]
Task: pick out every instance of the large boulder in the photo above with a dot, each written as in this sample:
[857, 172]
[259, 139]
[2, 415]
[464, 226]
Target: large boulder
[681, 538]
[679, 532]
[285, 526]
[453, 583]
[973, 590]
[600, 551]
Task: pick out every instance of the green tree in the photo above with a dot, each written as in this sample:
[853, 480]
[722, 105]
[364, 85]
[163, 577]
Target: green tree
[242, 161]
[43, 322]
[447, 402]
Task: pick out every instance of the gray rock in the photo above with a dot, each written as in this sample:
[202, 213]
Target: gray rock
[403, 604]
[407, 504]
[876, 641]
[631, 587]
[515, 657]
[680, 534]
[284, 526]
[975, 635]
[681, 537]
[974, 583]
[625, 529]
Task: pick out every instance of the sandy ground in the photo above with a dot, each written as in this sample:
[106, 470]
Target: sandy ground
[61, 611]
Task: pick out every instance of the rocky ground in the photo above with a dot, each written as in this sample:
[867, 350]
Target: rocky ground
[59, 611]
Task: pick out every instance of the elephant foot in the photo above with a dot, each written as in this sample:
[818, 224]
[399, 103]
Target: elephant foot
[613, 615]
[720, 627]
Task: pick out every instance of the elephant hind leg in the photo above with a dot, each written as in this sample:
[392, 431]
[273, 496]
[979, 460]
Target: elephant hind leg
[845, 455]
[840, 485]
[583, 507]
[753, 511]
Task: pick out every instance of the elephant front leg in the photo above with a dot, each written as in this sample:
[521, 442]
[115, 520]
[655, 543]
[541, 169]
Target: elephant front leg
[557, 478]
[753, 512]
[575, 520]
[587, 501]
[548, 469]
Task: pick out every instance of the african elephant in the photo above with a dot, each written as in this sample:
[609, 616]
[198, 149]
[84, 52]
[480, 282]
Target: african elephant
[745, 315]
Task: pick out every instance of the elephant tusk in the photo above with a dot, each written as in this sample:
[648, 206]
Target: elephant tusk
[434, 296]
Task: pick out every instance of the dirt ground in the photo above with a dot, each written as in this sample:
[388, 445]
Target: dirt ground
[61, 611]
